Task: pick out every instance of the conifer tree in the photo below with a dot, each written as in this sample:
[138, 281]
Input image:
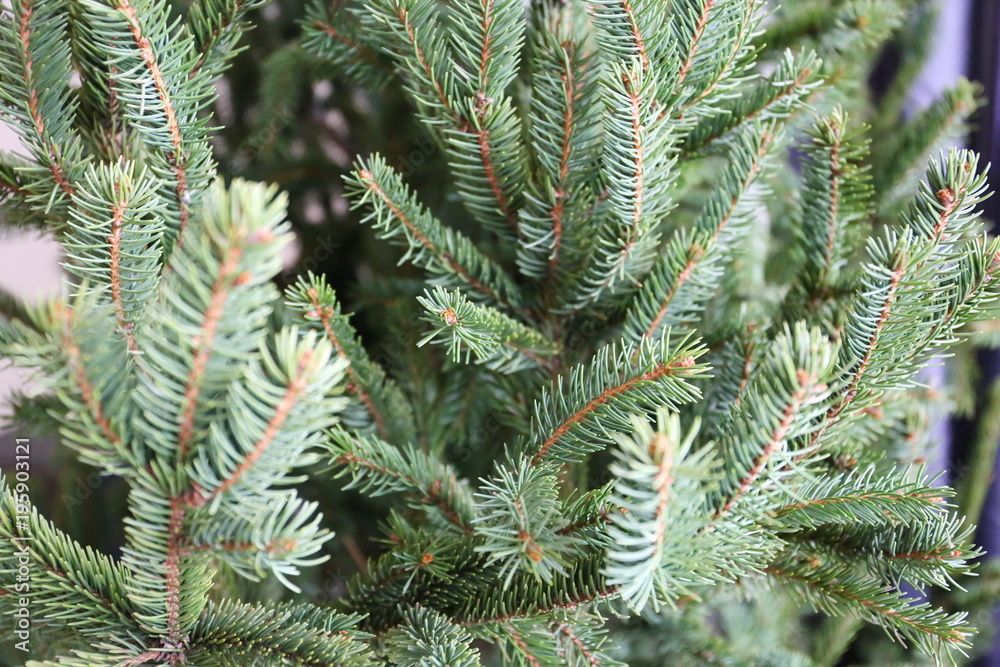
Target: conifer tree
[623, 413]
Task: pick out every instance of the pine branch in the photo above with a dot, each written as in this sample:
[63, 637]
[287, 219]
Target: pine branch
[172, 499]
[159, 98]
[690, 267]
[716, 51]
[168, 582]
[526, 598]
[68, 586]
[519, 512]
[228, 633]
[895, 318]
[451, 259]
[569, 638]
[114, 238]
[695, 19]
[892, 520]
[661, 491]
[968, 293]
[849, 28]
[583, 642]
[429, 639]
[486, 38]
[421, 52]
[835, 197]
[102, 125]
[933, 553]
[97, 379]
[479, 130]
[289, 398]
[943, 211]
[166, 523]
[12, 183]
[573, 418]
[638, 170]
[499, 342]
[216, 26]
[220, 290]
[780, 407]
[382, 403]
[898, 164]
[734, 362]
[586, 516]
[420, 565]
[378, 468]
[793, 81]
[631, 30]
[565, 134]
[334, 35]
[677, 289]
[36, 69]
[68, 345]
[454, 579]
[113, 653]
[833, 588]
[871, 494]
[487, 160]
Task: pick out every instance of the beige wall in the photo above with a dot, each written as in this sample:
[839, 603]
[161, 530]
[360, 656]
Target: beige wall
[29, 267]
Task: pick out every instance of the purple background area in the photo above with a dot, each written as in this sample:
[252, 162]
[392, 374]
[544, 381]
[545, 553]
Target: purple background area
[983, 65]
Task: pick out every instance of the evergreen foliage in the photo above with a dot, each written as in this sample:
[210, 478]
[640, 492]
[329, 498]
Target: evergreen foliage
[622, 401]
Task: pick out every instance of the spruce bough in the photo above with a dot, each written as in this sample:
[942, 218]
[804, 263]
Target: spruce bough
[674, 419]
